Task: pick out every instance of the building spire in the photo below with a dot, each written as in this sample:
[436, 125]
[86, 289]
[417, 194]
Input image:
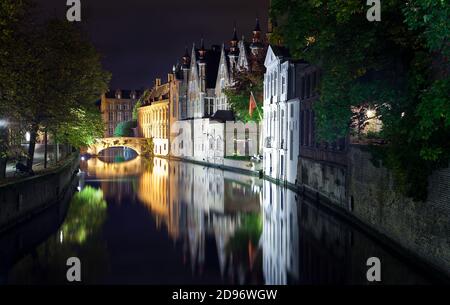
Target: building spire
[257, 32]
[234, 42]
[202, 50]
[257, 27]
[235, 34]
[186, 59]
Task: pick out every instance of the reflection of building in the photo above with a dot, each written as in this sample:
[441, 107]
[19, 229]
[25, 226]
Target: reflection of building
[116, 107]
[280, 235]
[199, 205]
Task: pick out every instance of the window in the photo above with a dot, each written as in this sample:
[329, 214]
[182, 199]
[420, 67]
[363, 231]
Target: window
[275, 84]
[291, 145]
[308, 86]
[302, 127]
[292, 110]
[302, 87]
[271, 84]
[282, 129]
[283, 81]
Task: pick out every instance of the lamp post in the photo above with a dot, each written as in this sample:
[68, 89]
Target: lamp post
[3, 146]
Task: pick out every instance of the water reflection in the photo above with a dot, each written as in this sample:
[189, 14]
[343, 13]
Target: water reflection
[198, 205]
[79, 236]
[173, 222]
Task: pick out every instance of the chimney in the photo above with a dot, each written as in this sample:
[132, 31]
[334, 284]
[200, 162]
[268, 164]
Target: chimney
[158, 82]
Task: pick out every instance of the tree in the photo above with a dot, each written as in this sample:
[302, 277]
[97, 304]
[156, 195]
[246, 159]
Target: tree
[244, 83]
[86, 126]
[399, 65]
[125, 129]
[56, 77]
[145, 96]
[12, 13]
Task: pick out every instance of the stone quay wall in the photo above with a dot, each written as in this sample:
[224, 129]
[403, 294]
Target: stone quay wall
[22, 199]
[367, 193]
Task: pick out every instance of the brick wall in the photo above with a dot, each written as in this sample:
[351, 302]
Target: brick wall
[421, 227]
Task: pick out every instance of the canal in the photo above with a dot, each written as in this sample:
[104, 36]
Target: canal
[138, 221]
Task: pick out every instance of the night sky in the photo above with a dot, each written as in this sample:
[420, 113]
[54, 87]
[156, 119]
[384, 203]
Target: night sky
[142, 39]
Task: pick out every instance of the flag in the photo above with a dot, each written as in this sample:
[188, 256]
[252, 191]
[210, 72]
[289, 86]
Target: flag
[252, 105]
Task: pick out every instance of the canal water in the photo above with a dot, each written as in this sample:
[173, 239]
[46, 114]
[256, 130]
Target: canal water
[138, 221]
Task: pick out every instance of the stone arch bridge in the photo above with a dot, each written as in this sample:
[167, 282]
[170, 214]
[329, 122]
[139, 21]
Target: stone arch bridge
[139, 145]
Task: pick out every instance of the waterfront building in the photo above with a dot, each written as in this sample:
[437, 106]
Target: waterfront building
[323, 166]
[202, 80]
[117, 106]
[281, 114]
[201, 111]
[240, 56]
[153, 116]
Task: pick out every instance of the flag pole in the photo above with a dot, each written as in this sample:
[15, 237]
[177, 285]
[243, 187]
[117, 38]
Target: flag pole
[257, 109]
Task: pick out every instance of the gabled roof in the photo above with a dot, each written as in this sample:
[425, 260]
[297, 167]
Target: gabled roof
[276, 53]
[281, 51]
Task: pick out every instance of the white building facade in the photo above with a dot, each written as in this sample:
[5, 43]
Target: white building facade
[281, 124]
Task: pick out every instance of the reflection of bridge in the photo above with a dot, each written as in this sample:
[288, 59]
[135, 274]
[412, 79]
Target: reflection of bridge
[136, 144]
[102, 170]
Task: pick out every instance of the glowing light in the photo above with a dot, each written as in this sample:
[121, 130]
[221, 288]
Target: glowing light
[61, 236]
[370, 113]
[3, 123]
[83, 158]
[27, 136]
[79, 188]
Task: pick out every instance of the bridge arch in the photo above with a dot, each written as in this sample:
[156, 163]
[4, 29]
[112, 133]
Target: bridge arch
[136, 144]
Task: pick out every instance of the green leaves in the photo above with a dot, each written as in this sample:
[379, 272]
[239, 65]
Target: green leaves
[125, 129]
[50, 75]
[238, 96]
[399, 66]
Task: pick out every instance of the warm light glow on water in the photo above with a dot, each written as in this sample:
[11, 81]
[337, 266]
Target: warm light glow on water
[160, 222]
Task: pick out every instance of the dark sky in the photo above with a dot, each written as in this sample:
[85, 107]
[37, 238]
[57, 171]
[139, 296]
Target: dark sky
[142, 39]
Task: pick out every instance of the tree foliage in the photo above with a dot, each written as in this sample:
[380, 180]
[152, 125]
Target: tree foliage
[238, 95]
[50, 76]
[399, 66]
[125, 129]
